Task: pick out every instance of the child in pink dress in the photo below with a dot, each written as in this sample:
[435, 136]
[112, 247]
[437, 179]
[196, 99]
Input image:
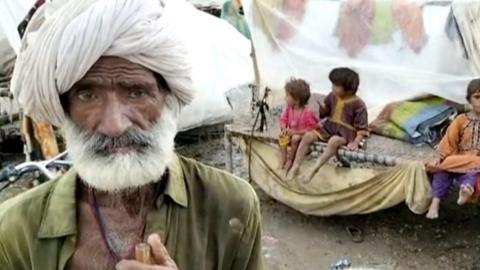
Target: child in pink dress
[295, 120]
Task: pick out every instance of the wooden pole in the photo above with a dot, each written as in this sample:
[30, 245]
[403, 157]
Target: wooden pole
[228, 149]
[256, 72]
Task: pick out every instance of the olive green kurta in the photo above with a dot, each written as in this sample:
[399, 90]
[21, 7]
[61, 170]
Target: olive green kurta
[211, 220]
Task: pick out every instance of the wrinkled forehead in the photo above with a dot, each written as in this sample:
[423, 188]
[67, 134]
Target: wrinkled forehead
[111, 69]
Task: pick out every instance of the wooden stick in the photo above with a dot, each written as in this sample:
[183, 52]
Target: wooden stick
[228, 149]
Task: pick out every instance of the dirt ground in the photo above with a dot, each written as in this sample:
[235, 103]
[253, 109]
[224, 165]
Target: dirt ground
[392, 239]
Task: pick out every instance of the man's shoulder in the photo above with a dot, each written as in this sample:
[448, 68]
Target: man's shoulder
[220, 187]
[24, 208]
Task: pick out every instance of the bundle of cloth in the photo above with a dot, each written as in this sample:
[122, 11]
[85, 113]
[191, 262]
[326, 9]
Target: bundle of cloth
[418, 121]
[464, 26]
[7, 61]
[279, 20]
[231, 12]
[363, 22]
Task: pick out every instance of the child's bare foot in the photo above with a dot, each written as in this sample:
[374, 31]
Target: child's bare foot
[466, 191]
[433, 209]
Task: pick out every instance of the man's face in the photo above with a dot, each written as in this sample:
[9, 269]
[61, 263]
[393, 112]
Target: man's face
[120, 131]
[115, 95]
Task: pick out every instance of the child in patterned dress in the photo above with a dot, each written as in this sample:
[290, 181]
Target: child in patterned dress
[458, 155]
[295, 120]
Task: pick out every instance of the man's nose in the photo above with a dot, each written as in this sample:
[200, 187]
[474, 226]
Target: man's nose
[114, 121]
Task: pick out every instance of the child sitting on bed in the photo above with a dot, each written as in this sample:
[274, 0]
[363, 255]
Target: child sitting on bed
[345, 123]
[295, 120]
[458, 155]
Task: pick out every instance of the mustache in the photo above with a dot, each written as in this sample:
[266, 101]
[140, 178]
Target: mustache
[140, 140]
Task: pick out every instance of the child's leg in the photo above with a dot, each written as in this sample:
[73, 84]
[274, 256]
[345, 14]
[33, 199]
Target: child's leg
[467, 186]
[333, 144]
[440, 184]
[292, 151]
[303, 148]
[283, 158]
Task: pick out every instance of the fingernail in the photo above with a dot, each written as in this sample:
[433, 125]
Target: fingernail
[155, 237]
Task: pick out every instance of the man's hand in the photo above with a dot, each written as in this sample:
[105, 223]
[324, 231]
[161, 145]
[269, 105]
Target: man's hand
[162, 260]
[353, 145]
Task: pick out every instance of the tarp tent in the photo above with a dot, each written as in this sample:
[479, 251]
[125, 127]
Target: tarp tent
[11, 13]
[401, 48]
[207, 3]
[221, 57]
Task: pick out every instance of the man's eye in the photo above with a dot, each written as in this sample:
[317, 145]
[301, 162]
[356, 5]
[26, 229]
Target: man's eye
[85, 95]
[136, 93]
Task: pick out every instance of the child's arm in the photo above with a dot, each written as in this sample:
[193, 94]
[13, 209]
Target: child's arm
[355, 144]
[449, 143]
[431, 165]
[360, 123]
[326, 106]
[284, 119]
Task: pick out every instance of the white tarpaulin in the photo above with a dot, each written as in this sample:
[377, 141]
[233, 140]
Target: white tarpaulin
[221, 57]
[207, 3]
[12, 13]
[221, 62]
[400, 48]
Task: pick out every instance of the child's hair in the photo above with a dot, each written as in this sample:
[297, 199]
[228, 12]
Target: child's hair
[346, 78]
[473, 87]
[299, 89]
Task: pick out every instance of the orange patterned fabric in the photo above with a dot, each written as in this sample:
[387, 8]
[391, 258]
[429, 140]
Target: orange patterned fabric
[45, 136]
[460, 147]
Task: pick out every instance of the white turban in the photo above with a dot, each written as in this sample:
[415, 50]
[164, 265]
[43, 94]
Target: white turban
[60, 48]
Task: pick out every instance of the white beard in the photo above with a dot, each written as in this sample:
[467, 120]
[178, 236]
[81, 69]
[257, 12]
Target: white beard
[123, 171]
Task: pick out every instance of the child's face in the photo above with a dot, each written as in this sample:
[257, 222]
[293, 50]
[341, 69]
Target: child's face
[290, 100]
[475, 102]
[339, 91]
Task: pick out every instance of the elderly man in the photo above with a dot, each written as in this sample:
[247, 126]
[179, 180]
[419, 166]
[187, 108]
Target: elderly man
[114, 75]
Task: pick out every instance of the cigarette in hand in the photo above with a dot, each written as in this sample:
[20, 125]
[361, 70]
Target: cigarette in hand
[143, 253]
